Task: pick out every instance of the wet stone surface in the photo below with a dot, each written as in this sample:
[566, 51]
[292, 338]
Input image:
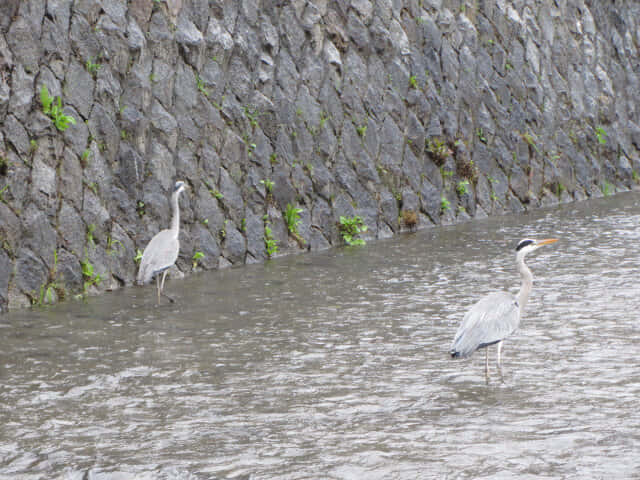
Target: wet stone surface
[345, 107]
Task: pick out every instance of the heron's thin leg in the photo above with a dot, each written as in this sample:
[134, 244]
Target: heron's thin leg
[486, 364]
[158, 287]
[499, 361]
[162, 287]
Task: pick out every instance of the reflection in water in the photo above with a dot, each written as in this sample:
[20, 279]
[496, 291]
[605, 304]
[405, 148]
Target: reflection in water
[335, 365]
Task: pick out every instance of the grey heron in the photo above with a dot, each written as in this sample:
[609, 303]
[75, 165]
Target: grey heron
[497, 315]
[162, 251]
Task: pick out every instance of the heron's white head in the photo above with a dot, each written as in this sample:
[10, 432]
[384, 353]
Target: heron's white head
[179, 187]
[527, 245]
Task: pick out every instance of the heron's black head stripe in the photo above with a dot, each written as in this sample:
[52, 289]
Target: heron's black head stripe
[177, 185]
[524, 243]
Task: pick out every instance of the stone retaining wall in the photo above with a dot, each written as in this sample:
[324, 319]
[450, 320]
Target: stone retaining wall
[407, 113]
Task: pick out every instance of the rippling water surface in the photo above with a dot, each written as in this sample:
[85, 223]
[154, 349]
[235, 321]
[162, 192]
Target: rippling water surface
[335, 366]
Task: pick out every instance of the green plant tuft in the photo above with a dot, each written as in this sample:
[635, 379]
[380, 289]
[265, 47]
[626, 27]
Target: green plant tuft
[531, 141]
[90, 277]
[140, 208]
[268, 185]
[214, 192]
[323, 119]
[196, 257]
[201, 86]
[52, 290]
[445, 173]
[292, 217]
[462, 187]
[269, 242]
[113, 245]
[438, 150]
[54, 110]
[90, 229]
[93, 68]
[252, 116]
[444, 204]
[85, 156]
[350, 227]
[480, 135]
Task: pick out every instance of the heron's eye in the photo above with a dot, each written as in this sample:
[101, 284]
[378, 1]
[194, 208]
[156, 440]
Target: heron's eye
[523, 243]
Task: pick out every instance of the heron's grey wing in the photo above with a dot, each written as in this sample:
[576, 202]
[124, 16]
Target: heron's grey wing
[160, 254]
[490, 320]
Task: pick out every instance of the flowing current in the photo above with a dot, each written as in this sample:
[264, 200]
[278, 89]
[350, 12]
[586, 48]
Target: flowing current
[335, 365]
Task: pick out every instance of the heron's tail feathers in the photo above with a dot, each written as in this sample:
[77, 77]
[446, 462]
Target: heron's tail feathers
[458, 354]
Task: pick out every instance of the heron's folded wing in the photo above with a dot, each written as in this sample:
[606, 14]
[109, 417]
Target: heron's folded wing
[490, 320]
[160, 254]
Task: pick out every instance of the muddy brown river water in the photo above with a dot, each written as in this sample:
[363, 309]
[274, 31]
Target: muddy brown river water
[334, 365]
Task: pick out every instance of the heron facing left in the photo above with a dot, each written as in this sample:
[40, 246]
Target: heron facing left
[162, 251]
[497, 315]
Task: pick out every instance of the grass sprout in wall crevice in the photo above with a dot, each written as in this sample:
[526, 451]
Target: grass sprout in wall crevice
[197, 256]
[270, 243]
[90, 277]
[350, 228]
[462, 187]
[53, 290]
[268, 185]
[292, 217]
[54, 110]
[444, 204]
[438, 150]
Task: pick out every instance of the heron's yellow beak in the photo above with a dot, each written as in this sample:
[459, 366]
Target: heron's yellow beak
[546, 241]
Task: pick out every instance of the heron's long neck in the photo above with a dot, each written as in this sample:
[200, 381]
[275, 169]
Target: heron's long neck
[527, 283]
[175, 214]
